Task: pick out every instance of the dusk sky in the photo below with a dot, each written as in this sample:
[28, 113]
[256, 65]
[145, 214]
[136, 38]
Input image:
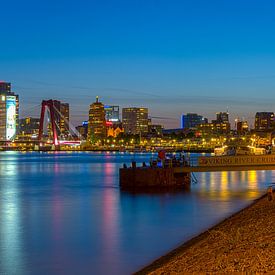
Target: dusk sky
[171, 56]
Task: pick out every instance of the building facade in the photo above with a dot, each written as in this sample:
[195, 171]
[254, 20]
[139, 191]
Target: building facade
[83, 129]
[242, 127]
[221, 123]
[64, 119]
[264, 121]
[112, 114]
[9, 112]
[192, 120]
[29, 128]
[222, 117]
[135, 121]
[97, 122]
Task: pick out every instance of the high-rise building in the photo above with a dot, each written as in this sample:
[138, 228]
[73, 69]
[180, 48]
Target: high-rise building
[135, 120]
[221, 124]
[62, 112]
[97, 122]
[222, 117]
[264, 121]
[9, 112]
[65, 118]
[241, 127]
[191, 120]
[112, 113]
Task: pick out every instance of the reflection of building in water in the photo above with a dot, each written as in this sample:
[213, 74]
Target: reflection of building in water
[226, 185]
[9, 110]
[252, 178]
[11, 245]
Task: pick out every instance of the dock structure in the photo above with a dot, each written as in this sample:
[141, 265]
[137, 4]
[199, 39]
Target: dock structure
[180, 175]
[153, 178]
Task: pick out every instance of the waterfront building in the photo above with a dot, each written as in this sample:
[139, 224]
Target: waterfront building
[155, 130]
[135, 120]
[222, 117]
[97, 122]
[214, 128]
[264, 121]
[29, 128]
[64, 118]
[9, 112]
[221, 123]
[112, 113]
[192, 120]
[83, 129]
[114, 130]
[242, 127]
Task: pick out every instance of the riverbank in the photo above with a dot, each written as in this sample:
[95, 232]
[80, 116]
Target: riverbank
[245, 242]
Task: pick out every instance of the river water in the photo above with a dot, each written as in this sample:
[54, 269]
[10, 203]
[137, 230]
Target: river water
[63, 213]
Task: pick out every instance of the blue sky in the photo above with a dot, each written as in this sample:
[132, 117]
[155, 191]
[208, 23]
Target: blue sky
[170, 56]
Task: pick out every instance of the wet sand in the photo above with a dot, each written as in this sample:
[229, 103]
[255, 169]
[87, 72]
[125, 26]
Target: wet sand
[245, 242]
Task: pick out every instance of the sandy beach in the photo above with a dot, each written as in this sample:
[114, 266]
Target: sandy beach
[245, 242]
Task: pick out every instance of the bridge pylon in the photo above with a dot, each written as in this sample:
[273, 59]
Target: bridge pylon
[48, 104]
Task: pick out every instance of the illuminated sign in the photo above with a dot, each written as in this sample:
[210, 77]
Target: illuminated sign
[11, 117]
[237, 160]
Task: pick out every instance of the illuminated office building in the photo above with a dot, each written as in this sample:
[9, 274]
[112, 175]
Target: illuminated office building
[28, 128]
[65, 118]
[112, 114]
[135, 120]
[191, 120]
[97, 122]
[242, 127]
[222, 117]
[9, 111]
[264, 121]
[83, 129]
[221, 124]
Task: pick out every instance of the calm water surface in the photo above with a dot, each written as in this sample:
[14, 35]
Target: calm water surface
[63, 213]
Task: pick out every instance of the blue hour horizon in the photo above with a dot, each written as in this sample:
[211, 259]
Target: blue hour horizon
[173, 58]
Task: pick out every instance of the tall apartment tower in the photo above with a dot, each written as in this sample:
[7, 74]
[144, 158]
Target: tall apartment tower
[97, 122]
[9, 112]
[135, 120]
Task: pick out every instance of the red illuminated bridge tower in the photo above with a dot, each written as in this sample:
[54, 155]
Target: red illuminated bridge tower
[55, 124]
[48, 106]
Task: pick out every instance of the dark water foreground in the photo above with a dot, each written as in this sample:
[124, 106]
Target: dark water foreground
[63, 213]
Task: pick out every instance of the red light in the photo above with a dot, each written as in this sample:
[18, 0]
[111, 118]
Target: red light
[109, 123]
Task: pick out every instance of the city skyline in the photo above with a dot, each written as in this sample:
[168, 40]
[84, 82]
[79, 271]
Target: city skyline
[177, 57]
[35, 113]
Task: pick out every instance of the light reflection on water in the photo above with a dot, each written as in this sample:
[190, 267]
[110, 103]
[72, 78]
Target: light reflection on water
[63, 213]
